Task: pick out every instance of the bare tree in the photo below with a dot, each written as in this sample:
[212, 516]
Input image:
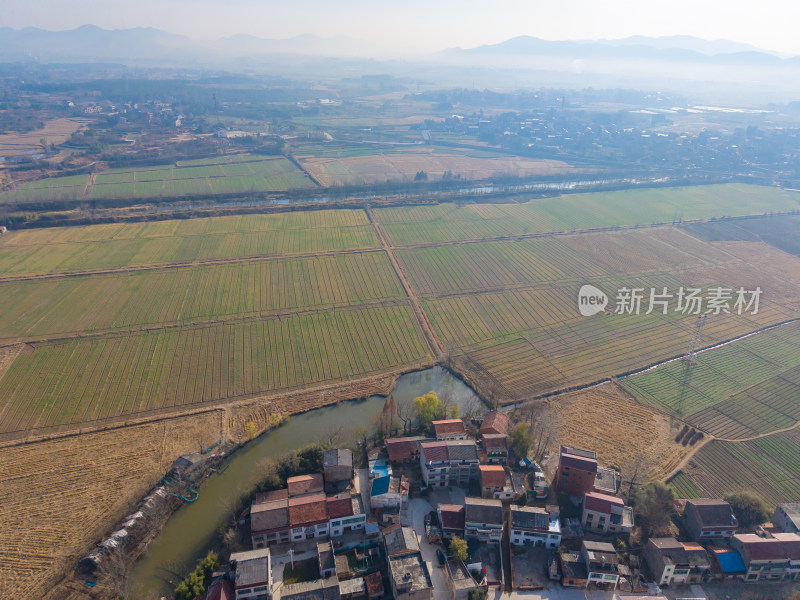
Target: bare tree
[406, 413]
[332, 436]
[113, 575]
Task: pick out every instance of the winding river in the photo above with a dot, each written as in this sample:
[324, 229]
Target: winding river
[194, 529]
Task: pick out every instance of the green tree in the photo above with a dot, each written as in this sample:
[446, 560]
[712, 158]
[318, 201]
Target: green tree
[519, 440]
[458, 549]
[427, 408]
[654, 506]
[749, 509]
[420, 176]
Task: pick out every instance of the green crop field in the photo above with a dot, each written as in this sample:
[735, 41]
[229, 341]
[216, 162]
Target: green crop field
[767, 467]
[76, 381]
[96, 247]
[70, 187]
[184, 295]
[450, 222]
[737, 391]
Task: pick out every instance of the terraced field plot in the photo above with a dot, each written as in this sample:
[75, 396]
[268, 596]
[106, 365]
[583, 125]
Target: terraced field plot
[741, 390]
[82, 380]
[768, 467]
[96, 247]
[190, 294]
[450, 222]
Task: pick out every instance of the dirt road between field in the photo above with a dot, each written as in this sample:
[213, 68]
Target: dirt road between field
[427, 328]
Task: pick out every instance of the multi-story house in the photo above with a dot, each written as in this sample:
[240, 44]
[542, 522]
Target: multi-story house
[708, 519]
[533, 526]
[496, 447]
[449, 463]
[308, 517]
[606, 514]
[449, 429]
[772, 558]
[602, 564]
[577, 470]
[673, 562]
[483, 519]
[252, 574]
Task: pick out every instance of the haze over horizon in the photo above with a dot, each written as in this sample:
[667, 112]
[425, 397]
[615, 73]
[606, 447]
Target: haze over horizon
[423, 27]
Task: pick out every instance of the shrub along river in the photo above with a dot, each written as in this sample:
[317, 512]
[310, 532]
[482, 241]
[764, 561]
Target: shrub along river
[194, 529]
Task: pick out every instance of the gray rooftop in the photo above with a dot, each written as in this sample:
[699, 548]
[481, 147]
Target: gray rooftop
[252, 567]
[792, 510]
[339, 457]
[350, 587]
[319, 589]
[400, 540]
[410, 573]
[481, 510]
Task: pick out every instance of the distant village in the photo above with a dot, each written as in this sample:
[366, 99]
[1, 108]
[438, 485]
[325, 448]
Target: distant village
[457, 512]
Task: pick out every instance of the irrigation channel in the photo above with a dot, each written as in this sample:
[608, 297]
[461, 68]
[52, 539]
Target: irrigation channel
[194, 529]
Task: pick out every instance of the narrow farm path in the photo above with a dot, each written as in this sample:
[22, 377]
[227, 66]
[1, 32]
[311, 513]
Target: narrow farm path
[685, 460]
[87, 191]
[427, 328]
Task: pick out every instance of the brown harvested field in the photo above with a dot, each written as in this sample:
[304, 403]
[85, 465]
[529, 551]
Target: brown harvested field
[61, 496]
[403, 165]
[607, 419]
[56, 131]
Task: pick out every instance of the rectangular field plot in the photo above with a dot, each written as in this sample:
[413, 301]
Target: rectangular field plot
[84, 380]
[95, 247]
[143, 298]
[71, 187]
[740, 390]
[450, 222]
[768, 467]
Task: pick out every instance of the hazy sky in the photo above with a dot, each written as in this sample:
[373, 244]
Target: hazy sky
[427, 25]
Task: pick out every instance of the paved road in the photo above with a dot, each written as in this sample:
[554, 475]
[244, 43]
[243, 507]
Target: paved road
[419, 508]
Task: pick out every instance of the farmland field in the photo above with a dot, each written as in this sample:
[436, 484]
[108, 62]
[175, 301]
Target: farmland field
[95, 247]
[767, 466]
[189, 294]
[396, 165]
[743, 389]
[75, 381]
[450, 222]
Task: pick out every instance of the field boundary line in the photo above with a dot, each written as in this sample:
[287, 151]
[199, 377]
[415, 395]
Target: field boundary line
[290, 157]
[189, 264]
[190, 325]
[434, 343]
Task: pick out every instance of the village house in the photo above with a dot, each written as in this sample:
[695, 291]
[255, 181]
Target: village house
[326, 559]
[772, 558]
[449, 429]
[353, 589]
[496, 422]
[787, 517]
[252, 574]
[725, 563]
[459, 580]
[483, 519]
[319, 589]
[410, 578]
[338, 466]
[389, 492]
[451, 520]
[492, 479]
[269, 519]
[301, 485]
[708, 519]
[573, 570]
[399, 540]
[577, 470]
[495, 446]
[531, 526]
[606, 514]
[308, 517]
[404, 450]
[602, 564]
[374, 583]
[673, 562]
[345, 513]
[449, 463]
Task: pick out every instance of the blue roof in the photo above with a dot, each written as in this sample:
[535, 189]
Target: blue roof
[380, 485]
[731, 562]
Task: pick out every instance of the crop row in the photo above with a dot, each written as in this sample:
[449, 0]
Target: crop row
[448, 222]
[96, 378]
[126, 300]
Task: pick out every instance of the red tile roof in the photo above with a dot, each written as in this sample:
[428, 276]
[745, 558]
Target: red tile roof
[781, 547]
[492, 476]
[305, 484]
[307, 510]
[222, 589]
[448, 427]
[452, 516]
[601, 503]
[374, 583]
[340, 506]
[401, 448]
[273, 495]
[495, 440]
[434, 451]
[495, 421]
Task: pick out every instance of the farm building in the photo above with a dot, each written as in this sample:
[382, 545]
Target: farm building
[573, 570]
[787, 517]
[496, 422]
[326, 560]
[399, 540]
[305, 484]
[338, 466]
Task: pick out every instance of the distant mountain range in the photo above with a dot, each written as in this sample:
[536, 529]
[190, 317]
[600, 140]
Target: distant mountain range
[92, 43]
